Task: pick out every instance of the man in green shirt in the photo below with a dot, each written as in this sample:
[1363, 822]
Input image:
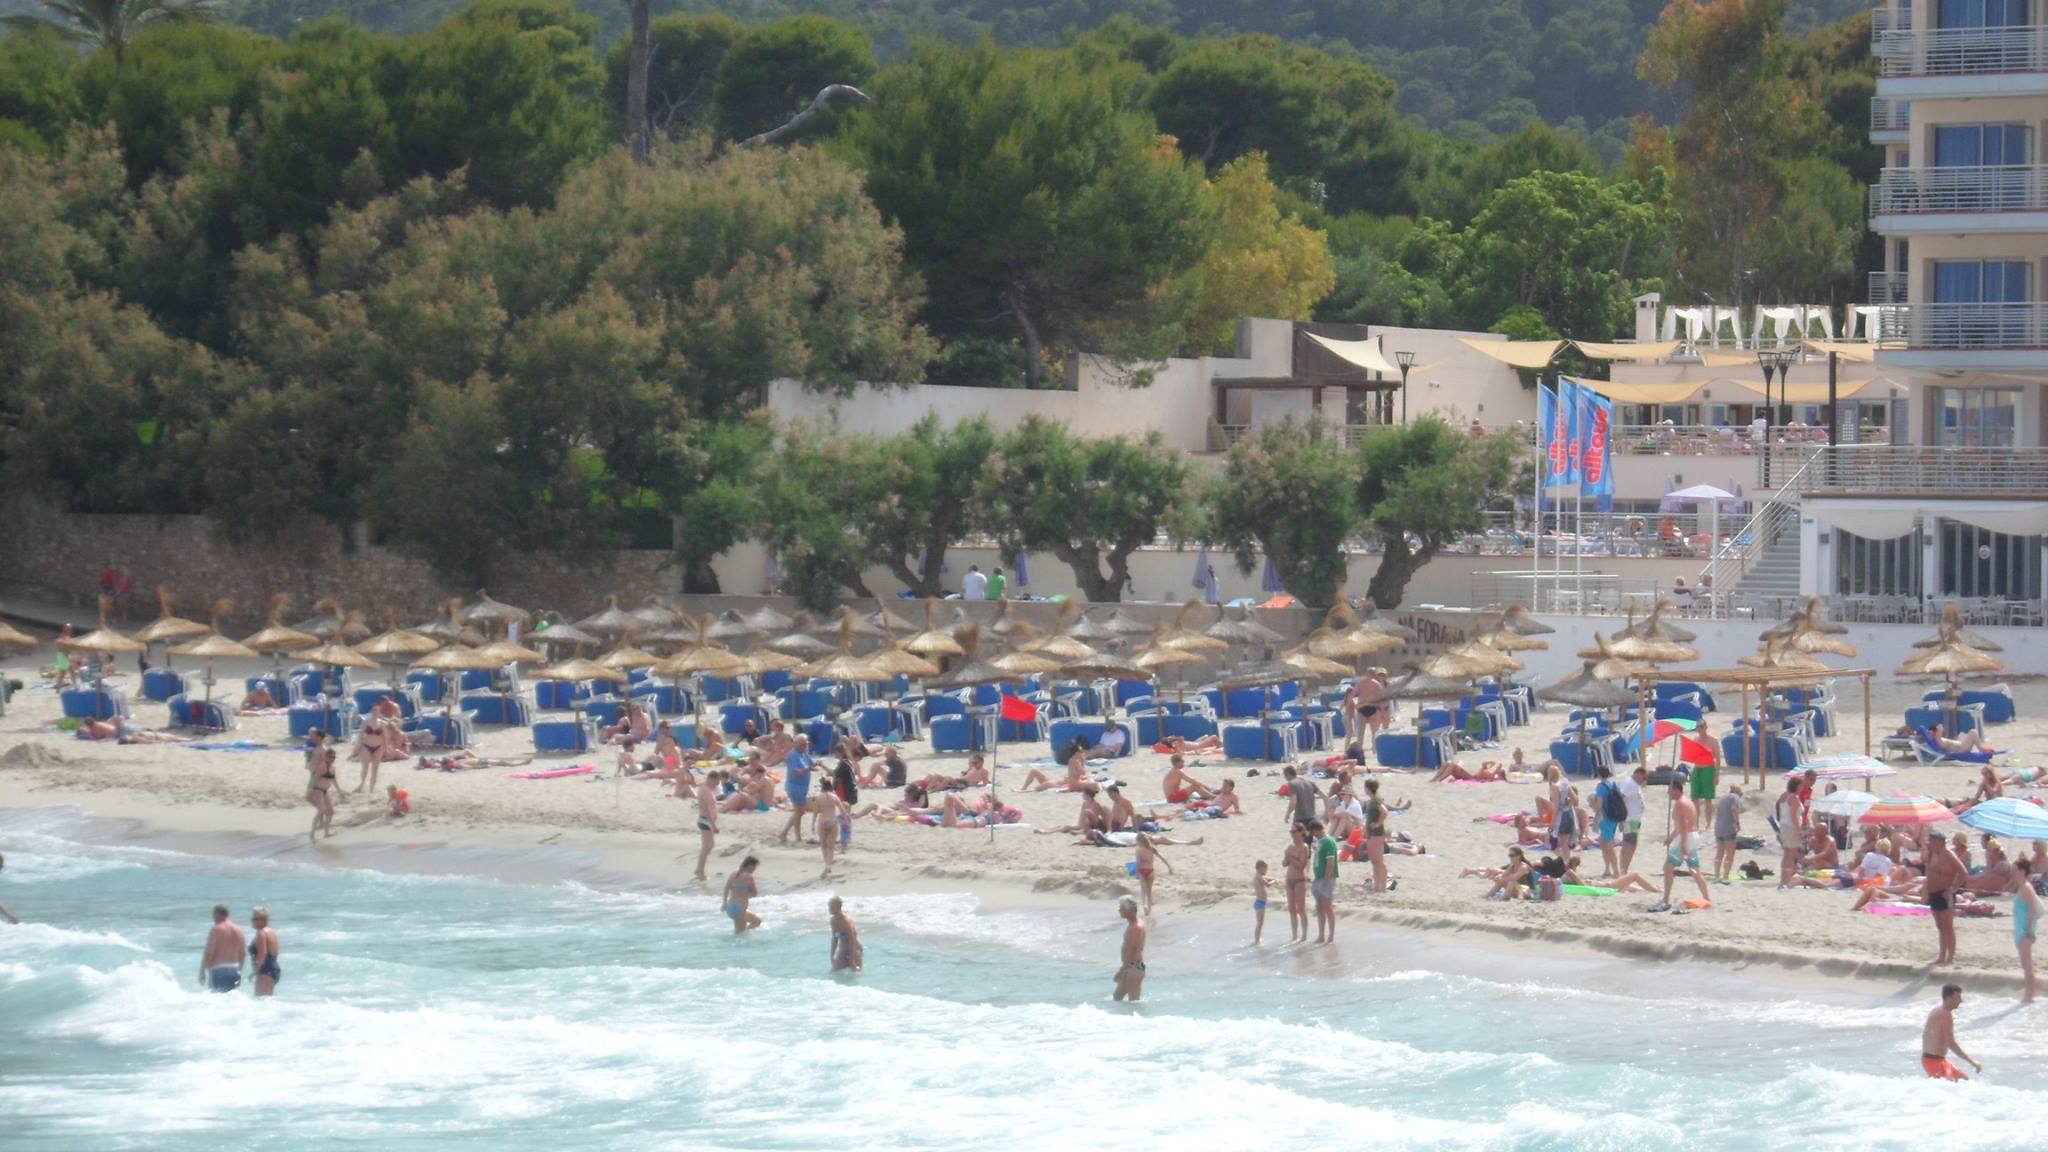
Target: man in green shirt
[1324, 886]
[997, 582]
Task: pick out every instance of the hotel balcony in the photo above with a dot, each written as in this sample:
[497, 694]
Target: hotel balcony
[1963, 336]
[2009, 198]
[1887, 288]
[1960, 61]
[1889, 119]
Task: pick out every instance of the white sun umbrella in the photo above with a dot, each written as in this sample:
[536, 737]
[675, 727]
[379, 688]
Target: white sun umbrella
[1855, 767]
[1713, 497]
[1848, 803]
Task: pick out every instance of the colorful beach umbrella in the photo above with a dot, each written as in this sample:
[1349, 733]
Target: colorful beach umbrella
[1665, 729]
[2009, 816]
[1847, 768]
[1902, 810]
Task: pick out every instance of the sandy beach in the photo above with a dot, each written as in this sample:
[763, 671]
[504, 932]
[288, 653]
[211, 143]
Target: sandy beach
[634, 827]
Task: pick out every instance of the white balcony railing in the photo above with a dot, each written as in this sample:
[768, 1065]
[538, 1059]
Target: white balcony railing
[2022, 324]
[1881, 19]
[1890, 114]
[1957, 51]
[1996, 188]
[1887, 288]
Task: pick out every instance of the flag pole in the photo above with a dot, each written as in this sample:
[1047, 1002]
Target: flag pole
[1536, 509]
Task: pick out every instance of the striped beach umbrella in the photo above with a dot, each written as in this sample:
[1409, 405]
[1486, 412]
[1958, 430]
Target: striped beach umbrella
[2009, 816]
[1902, 810]
[1847, 767]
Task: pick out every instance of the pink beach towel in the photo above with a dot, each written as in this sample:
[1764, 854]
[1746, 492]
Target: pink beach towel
[1898, 910]
[552, 773]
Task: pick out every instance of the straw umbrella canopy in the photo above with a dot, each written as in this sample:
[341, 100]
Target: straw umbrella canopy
[1307, 665]
[505, 652]
[1123, 623]
[886, 620]
[325, 621]
[1468, 661]
[766, 660]
[1342, 617]
[1157, 656]
[103, 641]
[1012, 629]
[842, 665]
[893, 661]
[1106, 665]
[801, 645]
[495, 614]
[1021, 664]
[210, 647]
[1181, 636]
[972, 671]
[1584, 689]
[448, 627]
[1952, 629]
[168, 628]
[395, 646]
[1089, 630]
[1258, 633]
[578, 670]
[276, 638]
[707, 659]
[557, 635]
[932, 642]
[1423, 686]
[858, 627]
[1515, 618]
[1951, 661]
[1811, 617]
[1655, 626]
[729, 627]
[652, 615]
[12, 637]
[1061, 646]
[609, 621]
[335, 655]
[764, 620]
[1505, 641]
[626, 658]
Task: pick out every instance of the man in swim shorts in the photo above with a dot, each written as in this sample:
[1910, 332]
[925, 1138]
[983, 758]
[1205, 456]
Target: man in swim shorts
[1945, 875]
[220, 966]
[707, 820]
[1324, 888]
[797, 780]
[1938, 1039]
[1682, 847]
[1130, 977]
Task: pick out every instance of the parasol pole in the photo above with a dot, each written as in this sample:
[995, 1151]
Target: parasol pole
[1866, 713]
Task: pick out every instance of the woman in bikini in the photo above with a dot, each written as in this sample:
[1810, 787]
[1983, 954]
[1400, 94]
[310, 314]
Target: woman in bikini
[1489, 773]
[320, 785]
[846, 951]
[397, 745]
[1294, 862]
[1077, 775]
[369, 751]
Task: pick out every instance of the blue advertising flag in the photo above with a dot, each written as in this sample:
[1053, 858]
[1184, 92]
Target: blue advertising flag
[1552, 434]
[1570, 409]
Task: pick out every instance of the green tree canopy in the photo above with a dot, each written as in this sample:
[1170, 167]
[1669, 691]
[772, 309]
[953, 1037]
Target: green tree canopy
[1289, 491]
[111, 25]
[1032, 195]
[920, 492]
[1091, 501]
[681, 78]
[773, 70]
[1421, 487]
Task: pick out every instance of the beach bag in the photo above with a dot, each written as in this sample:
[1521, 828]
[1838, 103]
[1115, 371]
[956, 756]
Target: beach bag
[1613, 806]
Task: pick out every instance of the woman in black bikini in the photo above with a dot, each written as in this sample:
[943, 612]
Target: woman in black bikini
[263, 952]
[320, 787]
[369, 751]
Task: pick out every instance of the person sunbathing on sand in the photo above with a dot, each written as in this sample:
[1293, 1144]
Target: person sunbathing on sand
[1227, 802]
[2021, 778]
[1093, 818]
[1077, 775]
[258, 697]
[1207, 745]
[118, 731]
[1489, 772]
[757, 794]
[1507, 881]
[976, 776]
[1531, 832]
[713, 749]
[463, 760]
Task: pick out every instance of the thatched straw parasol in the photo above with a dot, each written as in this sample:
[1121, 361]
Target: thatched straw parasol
[1090, 631]
[1584, 689]
[335, 656]
[494, 614]
[1421, 686]
[1515, 618]
[652, 615]
[1952, 629]
[705, 659]
[556, 636]
[394, 647]
[610, 621]
[729, 627]
[1014, 630]
[325, 621]
[1106, 665]
[887, 621]
[1123, 623]
[210, 647]
[932, 642]
[1181, 635]
[577, 671]
[842, 665]
[1469, 661]
[103, 641]
[626, 658]
[799, 644]
[1060, 646]
[12, 637]
[168, 628]
[764, 620]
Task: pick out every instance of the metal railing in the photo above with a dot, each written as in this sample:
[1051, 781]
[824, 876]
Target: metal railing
[1890, 114]
[1957, 51]
[2014, 324]
[1732, 557]
[1881, 21]
[1988, 188]
[1887, 288]
[1916, 468]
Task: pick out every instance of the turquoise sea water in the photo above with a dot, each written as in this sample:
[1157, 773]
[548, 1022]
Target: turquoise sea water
[430, 1011]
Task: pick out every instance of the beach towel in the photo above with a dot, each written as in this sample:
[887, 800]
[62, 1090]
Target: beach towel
[1473, 783]
[552, 773]
[1051, 764]
[230, 746]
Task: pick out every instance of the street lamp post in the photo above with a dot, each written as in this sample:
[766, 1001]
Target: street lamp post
[1406, 360]
[1779, 363]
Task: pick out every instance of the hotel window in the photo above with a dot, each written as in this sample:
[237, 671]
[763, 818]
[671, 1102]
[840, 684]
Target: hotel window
[1877, 567]
[1979, 417]
[1979, 562]
[1976, 13]
[1979, 145]
[1981, 282]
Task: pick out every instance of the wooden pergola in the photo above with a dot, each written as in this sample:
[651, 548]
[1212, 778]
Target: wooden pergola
[1761, 679]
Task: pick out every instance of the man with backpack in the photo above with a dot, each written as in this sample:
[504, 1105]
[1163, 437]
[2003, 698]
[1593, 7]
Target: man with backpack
[1613, 808]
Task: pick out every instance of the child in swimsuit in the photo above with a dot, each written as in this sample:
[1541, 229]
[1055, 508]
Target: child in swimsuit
[1259, 887]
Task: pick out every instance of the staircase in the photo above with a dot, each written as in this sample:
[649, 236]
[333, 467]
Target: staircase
[1772, 581]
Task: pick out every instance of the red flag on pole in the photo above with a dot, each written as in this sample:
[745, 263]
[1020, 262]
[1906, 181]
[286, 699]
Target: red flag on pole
[1018, 711]
[1691, 751]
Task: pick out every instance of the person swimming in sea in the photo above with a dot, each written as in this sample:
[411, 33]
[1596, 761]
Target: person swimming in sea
[740, 890]
[1130, 977]
[846, 949]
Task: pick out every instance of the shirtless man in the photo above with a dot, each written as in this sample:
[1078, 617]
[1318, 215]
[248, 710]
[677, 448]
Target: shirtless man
[1682, 846]
[4, 911]
[1226, 801]
[1130, 978]
[1945, 874]
[1181, 787]
[707, 822]
[1969, 742]
[1294, 861]
[1123, 815]
[220, 965]
[846, 950]
[1488, 773]
[1938, 1039]
[1092, 818]
[740, 890]
[775, 746]
[258, 697]
[976, 776]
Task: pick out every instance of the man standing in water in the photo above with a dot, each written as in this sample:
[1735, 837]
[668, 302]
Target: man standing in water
[740, 890]
[10, 916]
[1938, 1039]
[707, 821]
[797, 782]
[1325, 887]
[220, 967]
[1681, 846]
[1130, 979]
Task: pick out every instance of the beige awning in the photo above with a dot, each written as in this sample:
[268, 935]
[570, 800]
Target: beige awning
[1858, 352]
[1517, 353]
[1364, 353]
[1728, 388]
[1677, 393]
[1655, 351]
[1719, 358]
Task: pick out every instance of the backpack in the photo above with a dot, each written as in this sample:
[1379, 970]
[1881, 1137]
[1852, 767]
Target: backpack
[1613, 805]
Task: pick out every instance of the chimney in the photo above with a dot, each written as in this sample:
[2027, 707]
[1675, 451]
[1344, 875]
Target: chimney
[1646, 317]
